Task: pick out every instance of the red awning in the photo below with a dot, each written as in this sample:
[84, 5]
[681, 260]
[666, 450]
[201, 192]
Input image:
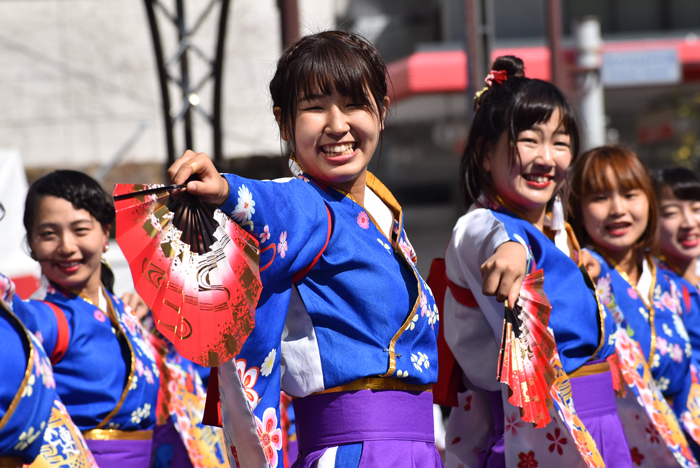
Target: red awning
[445, 71]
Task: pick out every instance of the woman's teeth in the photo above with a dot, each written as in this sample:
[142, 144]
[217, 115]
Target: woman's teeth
[339, 150]
[68, 264]
[538, 179]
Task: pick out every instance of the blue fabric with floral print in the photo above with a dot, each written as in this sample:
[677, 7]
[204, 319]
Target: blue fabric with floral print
[22, 427]
[691, 308]
[91, 376]
[369, 313]
[577, 330]
[671, 358]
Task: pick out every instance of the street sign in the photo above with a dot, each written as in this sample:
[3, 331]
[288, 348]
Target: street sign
[641, 67]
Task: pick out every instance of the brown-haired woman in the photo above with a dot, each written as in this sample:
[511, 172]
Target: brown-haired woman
[343, 309]
[615, 215]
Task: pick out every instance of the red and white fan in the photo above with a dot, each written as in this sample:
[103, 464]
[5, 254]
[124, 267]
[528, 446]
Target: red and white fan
[195, 268]
[527, 347]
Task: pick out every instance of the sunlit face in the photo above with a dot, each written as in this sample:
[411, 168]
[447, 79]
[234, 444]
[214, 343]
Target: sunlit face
[68, 243]
[335, 138]
[544, 152]
[615, 219]
[680, 227]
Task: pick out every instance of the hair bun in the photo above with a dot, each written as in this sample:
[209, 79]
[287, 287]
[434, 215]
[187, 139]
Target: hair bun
[511, 64]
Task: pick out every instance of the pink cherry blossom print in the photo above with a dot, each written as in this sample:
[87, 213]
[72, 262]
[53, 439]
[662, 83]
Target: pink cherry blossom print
[265, 235]
[282, 246]
[363, 220]
[249, 378]
[270, 436]
[100, 316]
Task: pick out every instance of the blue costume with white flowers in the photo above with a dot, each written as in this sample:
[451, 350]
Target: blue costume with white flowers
[34, 426]
[342, 302]
[653, 311]
[108, 377]
[103, 381]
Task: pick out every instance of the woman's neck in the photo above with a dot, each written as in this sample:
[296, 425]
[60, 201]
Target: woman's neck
[628, 261]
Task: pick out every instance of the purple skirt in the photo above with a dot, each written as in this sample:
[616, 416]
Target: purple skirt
[121, 453]
[594, 400]
[367, 429]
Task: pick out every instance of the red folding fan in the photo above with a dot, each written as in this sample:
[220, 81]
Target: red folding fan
[527, 347]
[195, 268]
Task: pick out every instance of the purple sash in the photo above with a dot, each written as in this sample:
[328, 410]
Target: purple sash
[331, 419]
[395, 427]
[594, 400]
[121, 453]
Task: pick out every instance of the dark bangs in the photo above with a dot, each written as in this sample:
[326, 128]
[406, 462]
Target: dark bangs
[534, 103]
[682, 182]
[80, 189]
[327, 62]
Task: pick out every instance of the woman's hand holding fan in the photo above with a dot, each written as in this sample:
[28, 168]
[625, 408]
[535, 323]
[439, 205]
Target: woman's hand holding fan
[527, 347]
[195, 268]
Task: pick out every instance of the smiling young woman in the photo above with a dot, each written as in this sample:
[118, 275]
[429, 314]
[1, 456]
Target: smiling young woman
[345, 323]
[523, 138]
[615, 213]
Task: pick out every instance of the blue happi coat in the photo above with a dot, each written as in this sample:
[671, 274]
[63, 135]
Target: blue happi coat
[108, 377]
[33, 421]
[341, 301]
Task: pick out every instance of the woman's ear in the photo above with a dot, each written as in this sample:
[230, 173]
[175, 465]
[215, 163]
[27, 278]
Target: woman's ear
[384, 110]
[284, 133]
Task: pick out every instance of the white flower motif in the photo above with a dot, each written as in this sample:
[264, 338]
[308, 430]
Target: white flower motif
[134, 382]
[384, 244]
[402, 374]
[29, 388]
[245, 208]
[419, 361]
[268, 363]
[139, 414]
[667, 330]
[662, 383]
[656, 361]
[644, 313]
[27, 438]
[413, 322]
[688, 349]
[433, 315]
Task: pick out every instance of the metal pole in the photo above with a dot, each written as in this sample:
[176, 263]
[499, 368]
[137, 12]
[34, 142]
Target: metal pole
[289, 12]
[184, 73]
[478, 32]
[592, 103]
[163, 79]
[554, 33]
[218, 70]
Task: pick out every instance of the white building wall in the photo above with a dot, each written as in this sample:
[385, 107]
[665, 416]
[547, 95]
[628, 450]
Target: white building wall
[78, 76]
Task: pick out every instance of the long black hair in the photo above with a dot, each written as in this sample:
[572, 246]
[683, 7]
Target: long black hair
[510, 106]
[83, 192]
